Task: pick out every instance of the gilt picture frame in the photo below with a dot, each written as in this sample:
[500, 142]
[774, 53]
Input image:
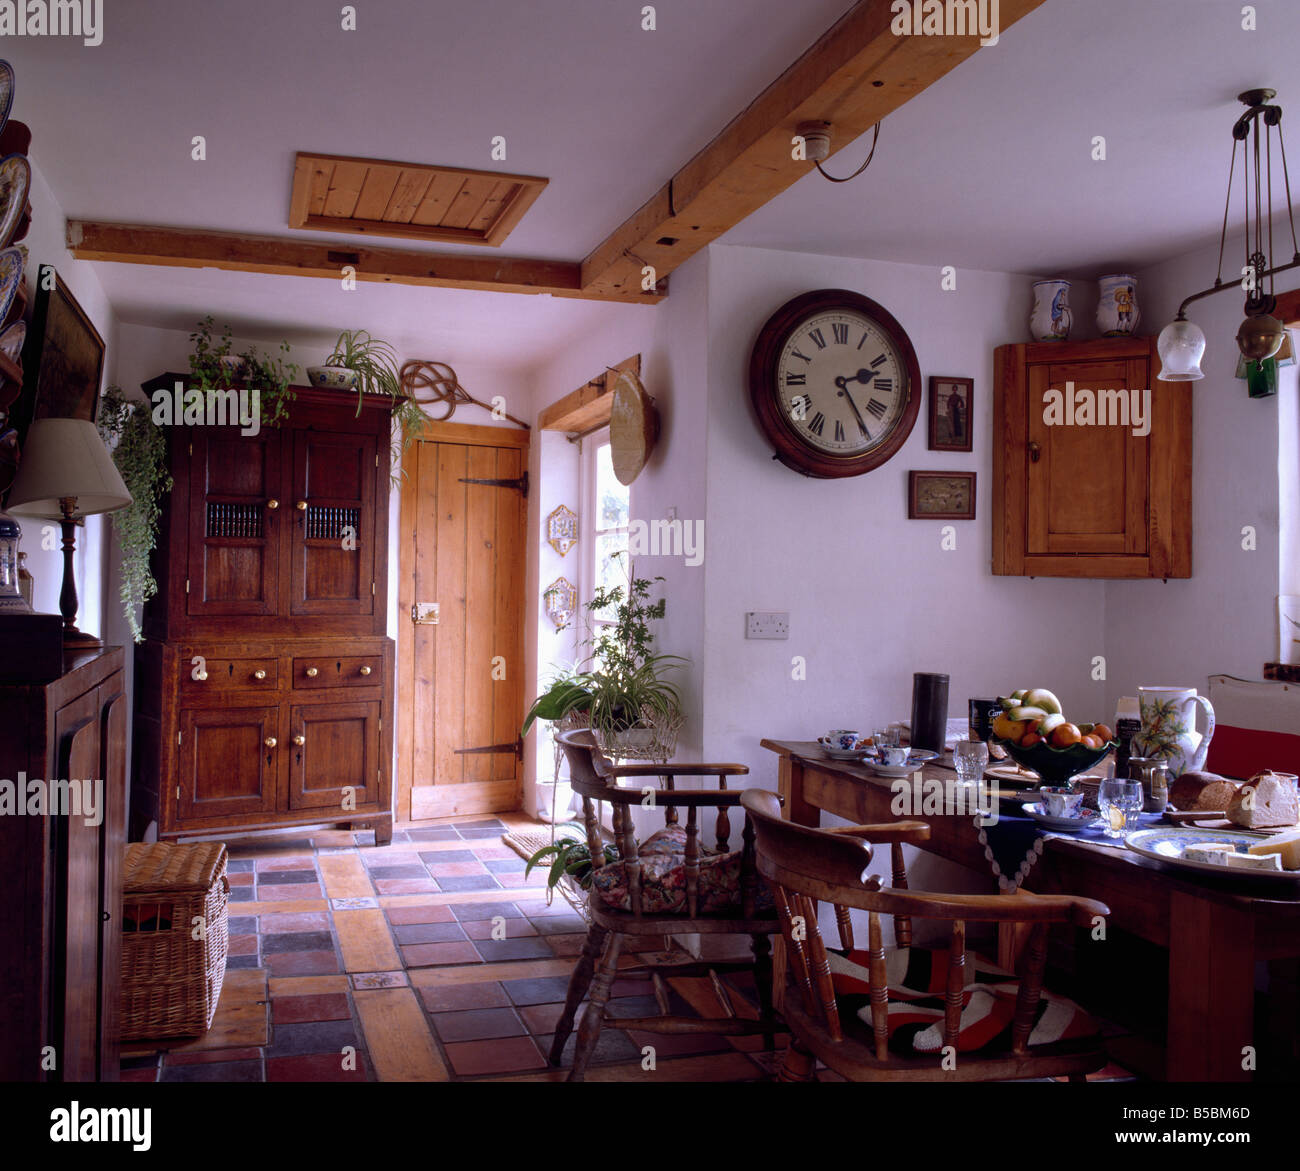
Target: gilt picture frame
[951, 414]
[941, 495]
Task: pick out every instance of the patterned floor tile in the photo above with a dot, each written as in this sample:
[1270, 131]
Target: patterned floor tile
[354, 904]
[370, 980]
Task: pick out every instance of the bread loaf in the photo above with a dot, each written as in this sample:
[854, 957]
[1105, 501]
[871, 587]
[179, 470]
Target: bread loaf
[1263, 802]
[1197, 790]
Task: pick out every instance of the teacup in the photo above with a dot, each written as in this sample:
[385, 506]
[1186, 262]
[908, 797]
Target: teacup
[1061, 802]
[894, 755]
[842, 739]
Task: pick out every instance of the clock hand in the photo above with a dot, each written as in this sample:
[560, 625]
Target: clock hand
[862, 376]
[862, 426]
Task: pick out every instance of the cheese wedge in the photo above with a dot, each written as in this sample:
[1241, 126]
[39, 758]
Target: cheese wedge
[1213, 853]
[1255, 861]
[1286, 846]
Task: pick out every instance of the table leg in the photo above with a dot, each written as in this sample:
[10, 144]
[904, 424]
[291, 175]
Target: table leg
[1211, 991]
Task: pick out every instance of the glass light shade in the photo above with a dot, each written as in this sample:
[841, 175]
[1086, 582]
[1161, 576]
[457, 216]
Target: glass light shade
[1260, 337]
[66, 459]
[1180, 346]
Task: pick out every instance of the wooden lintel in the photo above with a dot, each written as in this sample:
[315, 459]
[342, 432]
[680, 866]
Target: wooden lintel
[856, 74]
[588, 406]
[185, 248]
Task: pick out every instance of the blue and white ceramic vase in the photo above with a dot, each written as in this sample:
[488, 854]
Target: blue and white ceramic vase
[1117, 307]
[1050, 318]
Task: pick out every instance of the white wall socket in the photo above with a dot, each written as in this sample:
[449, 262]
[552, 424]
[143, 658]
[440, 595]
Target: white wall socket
[767, 624]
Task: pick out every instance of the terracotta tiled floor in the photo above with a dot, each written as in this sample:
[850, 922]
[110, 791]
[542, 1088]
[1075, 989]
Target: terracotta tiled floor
[430, 959]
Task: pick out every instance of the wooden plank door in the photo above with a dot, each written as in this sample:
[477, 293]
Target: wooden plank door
[460, 681]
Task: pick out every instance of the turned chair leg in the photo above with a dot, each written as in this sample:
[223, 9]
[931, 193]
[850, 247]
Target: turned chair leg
[594, 1017]
[761, 946]
[579, 982]
[798, 1066]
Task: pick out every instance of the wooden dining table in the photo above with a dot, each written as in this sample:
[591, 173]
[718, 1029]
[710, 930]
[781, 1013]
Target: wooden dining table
[1215, 929]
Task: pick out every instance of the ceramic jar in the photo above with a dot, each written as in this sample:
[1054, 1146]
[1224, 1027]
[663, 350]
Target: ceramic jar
[1050, 318]
[1169, 728]
[1117, 308]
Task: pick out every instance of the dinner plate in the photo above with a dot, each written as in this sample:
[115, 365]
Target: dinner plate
[1035, 810]
[915, 760]
[1009, 774]
[1166, 844]
[15, 181]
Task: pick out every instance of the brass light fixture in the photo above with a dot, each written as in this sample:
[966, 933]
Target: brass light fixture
[1181, 343]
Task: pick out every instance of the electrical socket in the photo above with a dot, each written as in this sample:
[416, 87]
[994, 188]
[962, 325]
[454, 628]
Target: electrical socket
[767, 624]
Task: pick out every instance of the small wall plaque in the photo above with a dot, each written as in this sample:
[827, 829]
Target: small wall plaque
[562, 529]
[561, 598]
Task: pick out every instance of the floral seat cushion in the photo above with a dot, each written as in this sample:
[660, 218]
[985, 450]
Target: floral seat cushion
[917, 977]
[663, 879]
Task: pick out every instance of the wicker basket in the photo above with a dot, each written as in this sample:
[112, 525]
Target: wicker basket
[171, 981]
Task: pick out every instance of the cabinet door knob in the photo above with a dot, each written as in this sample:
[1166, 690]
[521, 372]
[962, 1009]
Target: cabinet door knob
[270, 742]
[1035, 452]
[300, 740]
[272, 504]
[301, 506]
[365, 670]
[259, 674]
[312, 672]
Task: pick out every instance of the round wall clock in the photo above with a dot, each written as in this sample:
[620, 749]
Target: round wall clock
[835, 382]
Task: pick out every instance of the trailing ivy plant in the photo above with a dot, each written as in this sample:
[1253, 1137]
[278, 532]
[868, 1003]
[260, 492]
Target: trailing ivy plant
[213, 366]
[139, 450]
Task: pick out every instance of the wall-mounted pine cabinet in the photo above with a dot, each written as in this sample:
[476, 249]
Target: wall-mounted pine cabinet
[1092, 462]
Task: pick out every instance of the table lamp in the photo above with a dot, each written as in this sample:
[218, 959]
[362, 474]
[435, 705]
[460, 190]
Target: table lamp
[66, 474]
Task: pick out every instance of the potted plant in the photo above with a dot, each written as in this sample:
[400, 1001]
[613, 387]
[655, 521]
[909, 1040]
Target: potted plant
[139, 450]
[569, 856]
[214, 367]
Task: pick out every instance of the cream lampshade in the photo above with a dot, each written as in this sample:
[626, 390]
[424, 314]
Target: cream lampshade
[66, 474]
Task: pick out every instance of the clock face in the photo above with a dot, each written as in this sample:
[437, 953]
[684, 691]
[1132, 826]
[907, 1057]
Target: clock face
[835, 383]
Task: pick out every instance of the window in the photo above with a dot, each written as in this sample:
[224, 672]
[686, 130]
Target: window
[606, 537]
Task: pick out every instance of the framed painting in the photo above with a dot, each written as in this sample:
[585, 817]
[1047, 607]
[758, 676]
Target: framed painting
[63, 358]
[941, 495]
[951, 402]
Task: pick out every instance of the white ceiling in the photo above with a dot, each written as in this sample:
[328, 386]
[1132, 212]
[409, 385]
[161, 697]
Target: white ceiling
[990, 168]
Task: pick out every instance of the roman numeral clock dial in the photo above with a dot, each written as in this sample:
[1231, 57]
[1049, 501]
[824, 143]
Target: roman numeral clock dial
[835, 383]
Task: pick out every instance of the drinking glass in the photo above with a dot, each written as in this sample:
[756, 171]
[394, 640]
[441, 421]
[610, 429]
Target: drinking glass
[889, 735]
[969, 758]
[1120, 802]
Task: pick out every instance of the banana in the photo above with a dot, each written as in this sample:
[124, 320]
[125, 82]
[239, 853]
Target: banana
[1041, 697]
[1025, 712]
[1050, 722]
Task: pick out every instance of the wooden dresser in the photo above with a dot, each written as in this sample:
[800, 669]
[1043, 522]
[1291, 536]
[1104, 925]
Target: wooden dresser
[61, 873]
[264, 689]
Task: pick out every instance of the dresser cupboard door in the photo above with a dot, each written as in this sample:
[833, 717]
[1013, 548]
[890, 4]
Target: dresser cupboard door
[334, 756]
[229, 761]
[112, 844]
[1088, 488]
[235, 484]
[332, 543]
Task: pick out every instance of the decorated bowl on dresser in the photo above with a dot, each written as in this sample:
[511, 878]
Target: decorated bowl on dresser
[332, 377]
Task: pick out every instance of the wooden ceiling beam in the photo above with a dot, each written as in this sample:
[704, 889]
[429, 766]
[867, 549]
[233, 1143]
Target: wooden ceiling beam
[186, 248]
[856, 74]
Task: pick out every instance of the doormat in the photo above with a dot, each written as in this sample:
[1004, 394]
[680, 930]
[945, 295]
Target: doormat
[526, 843]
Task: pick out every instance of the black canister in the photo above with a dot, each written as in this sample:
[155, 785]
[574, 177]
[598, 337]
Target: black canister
[929, 710]
[982, 714]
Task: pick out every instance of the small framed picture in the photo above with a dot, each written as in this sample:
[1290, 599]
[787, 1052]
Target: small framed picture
[941, 495]
[951, 400]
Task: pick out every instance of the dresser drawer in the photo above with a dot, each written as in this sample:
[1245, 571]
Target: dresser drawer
[338, 671]
[201, 673]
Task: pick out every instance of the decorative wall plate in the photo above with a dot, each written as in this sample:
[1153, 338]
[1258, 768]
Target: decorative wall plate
[561, 598]
[561, 525]
[11, 276]
[11, 341]
[633, 427]
[6, 92]
[15, 182]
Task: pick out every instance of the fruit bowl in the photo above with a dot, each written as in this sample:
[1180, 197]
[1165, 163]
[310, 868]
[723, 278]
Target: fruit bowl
[1055, 765]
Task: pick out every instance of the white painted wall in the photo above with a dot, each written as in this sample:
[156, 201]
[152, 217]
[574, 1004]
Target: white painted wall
[1223, 619]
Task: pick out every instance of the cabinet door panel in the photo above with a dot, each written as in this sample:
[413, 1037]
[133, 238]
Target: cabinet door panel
[339, 752]
[332, 544]
[233, 548]
[1087, 491]
[226, 766]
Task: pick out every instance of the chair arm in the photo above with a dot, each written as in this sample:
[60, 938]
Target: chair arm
[893, 831]
[663, 798]
[673, 770]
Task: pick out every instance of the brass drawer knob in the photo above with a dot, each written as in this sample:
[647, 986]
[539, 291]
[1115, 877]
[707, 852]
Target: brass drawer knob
[259, 674]
[272, 504]
[270, 742]
[312, 672]
[300, 740]
[301, 506]
[365, 670]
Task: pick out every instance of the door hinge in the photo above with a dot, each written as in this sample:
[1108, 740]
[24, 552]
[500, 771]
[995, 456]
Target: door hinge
[520, 485]
[517, 747]
[191, 448]
[179, 737]
[376, 459]
[381, 723]
[187, 585]
[178, 792]
[372, 589]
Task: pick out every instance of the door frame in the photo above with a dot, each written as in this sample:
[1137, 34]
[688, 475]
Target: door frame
[471, 435]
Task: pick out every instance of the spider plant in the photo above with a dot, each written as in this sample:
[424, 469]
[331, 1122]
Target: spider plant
[569, 855]
[374, 361]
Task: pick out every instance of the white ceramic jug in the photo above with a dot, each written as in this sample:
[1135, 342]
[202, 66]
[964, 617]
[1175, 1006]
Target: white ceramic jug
[1169, 727]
